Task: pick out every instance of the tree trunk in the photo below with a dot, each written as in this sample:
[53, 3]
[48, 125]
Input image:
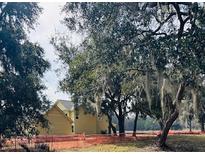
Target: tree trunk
[190, 125]
[161, 124]
[147, 88]
[167, 126]
[135, 123]
[109, 123]
[121, 122]
[202, 123]
[111, 128]
[170, 120]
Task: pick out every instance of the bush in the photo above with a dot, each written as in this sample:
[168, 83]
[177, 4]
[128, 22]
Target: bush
[103, 132]
[25, 147]
[42, 148]
[2, 142]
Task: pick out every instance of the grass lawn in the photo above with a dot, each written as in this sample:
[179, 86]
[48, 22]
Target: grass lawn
[176, 143]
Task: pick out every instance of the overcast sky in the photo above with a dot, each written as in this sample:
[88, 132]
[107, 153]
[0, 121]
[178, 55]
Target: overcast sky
[49, 24]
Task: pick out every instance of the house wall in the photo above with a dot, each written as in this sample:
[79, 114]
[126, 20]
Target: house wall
[71, 115]
[102, 124]
[86, 123]
[58, 123]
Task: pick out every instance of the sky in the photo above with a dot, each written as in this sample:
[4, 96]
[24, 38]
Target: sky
[48, 25]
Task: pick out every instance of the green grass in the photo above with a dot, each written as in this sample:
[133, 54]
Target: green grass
[119, 147]
[176, 143]
[187, 143]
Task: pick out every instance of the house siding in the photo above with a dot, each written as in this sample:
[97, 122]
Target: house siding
[58, 123]
[102, 124]
[61, 123]
[86, 123]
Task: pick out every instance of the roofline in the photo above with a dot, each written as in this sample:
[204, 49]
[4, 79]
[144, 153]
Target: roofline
[68, 118]
[58, 101]
[62, 100]
[55, 105]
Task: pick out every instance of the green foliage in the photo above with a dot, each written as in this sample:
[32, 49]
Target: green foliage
[158, 47]
[22, 64]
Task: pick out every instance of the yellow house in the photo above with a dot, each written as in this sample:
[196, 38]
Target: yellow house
[64, 120]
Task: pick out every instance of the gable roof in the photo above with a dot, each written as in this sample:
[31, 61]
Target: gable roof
[63, 113]
[65, 105]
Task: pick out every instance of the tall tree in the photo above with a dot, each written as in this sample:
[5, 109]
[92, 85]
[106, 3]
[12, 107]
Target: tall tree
[113, 79]
[22, 65]
[91, 76]
[178, 53]
[161, 53]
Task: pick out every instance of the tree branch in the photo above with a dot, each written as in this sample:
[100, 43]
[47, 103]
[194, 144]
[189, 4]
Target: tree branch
[179, 94]
[182, 22]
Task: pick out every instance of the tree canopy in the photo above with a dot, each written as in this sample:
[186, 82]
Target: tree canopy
[156, 46]
[22, 65]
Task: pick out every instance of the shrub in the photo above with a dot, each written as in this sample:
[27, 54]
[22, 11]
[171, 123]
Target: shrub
[2, 142]
[42, 147]
[103, 131]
